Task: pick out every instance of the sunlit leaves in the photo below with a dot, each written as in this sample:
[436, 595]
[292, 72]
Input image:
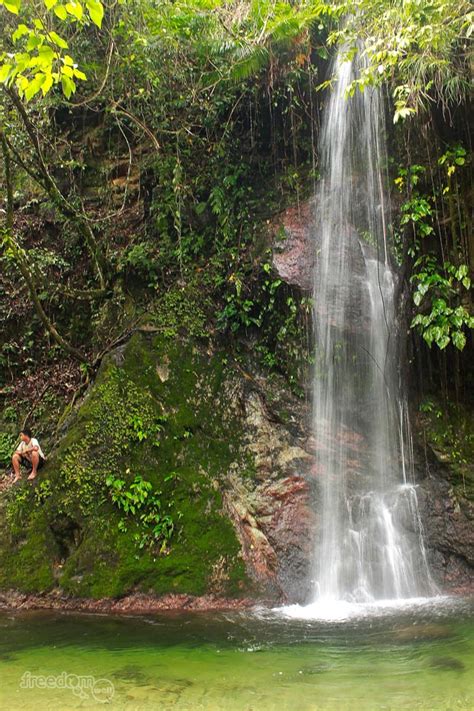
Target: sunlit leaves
[47, 83]
[57, 40]
[20, 31]
[96, 11]
[40, 64]
[75, 9]
[68, 85]
[452, 159]
[402, 112]
[61, 12]
[12, 5]
[5, 70]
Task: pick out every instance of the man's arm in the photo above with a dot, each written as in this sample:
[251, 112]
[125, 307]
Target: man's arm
[29, 448]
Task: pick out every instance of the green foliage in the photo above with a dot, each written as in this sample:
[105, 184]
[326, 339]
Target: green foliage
[7, 445]
[419, 48]
[21, 501]
[10, 414]
[144, 506]
[243, 312]
[439, 288]
[38, 58]
[263, 34]
[183, 309]
[140, 430]
[442, 287]
[452, 159]
[262, 303]
[416, 211]
[195, 147]
[141, 259]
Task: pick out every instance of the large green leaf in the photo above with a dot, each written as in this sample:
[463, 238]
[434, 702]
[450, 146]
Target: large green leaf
[96, 11]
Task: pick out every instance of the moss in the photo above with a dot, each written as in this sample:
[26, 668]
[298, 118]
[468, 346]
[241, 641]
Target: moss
[183, 309]
[26, 564]
[158, 409]
[449, 430]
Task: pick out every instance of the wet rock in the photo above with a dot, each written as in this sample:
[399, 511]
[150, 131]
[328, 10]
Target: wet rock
[446, 507]
[448, 529]
[238, 434]
[293, 245]
[129, 604]
[274, 510]
[133, 673]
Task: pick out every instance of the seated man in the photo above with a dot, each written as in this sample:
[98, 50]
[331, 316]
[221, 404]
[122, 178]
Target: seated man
[28, 452]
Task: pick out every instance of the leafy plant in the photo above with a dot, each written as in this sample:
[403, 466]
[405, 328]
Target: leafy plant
[143, 506]
[453, 158]
[141, 259]
[416, 211]
[439, 287]
[19, 503]
[43, 490]
[141, 430]
[449, 429]
[7, 444]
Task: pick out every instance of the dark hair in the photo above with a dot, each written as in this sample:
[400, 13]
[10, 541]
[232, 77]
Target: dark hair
[26, 432]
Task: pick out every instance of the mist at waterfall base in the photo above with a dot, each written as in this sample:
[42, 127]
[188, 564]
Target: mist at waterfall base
[370, 552]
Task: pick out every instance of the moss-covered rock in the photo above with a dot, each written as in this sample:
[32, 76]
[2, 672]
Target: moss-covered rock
[157, 410]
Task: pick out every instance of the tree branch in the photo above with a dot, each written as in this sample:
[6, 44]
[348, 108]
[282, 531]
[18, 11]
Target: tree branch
[56, 195]
[21, 263]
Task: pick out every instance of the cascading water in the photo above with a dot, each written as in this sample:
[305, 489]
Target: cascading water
[370, 543]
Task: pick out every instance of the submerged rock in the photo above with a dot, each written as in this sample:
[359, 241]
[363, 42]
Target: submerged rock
[447, 664]
[422, 632]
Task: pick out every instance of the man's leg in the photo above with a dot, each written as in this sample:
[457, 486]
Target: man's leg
[34, 459]
[16, 461]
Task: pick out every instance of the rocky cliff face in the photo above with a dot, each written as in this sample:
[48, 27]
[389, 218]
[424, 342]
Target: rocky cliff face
[447, 512]
[274, 510]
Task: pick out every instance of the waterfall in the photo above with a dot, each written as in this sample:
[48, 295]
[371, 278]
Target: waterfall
[370, 542]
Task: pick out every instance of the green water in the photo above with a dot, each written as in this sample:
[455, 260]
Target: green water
[409, 659]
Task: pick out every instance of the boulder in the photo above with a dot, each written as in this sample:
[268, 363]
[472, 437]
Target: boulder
[294, 246]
